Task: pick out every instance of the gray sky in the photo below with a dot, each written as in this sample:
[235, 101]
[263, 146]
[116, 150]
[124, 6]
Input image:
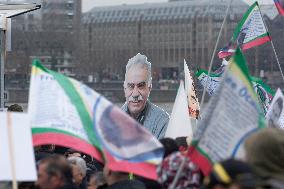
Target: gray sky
[88, 4]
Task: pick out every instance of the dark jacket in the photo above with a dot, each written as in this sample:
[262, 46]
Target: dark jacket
[69, 186]
[127, 184]
[84, 184]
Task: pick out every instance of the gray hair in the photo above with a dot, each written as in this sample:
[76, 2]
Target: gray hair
[142, 61]
[80, 163]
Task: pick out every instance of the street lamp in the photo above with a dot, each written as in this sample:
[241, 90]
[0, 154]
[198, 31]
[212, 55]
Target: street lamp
[9, 11]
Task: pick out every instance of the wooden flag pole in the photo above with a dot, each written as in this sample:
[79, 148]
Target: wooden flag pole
[213, 55]
[11, 151]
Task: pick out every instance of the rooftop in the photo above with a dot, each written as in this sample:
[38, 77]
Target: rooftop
[149, 11]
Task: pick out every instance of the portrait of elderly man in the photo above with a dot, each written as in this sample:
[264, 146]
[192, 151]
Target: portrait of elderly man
[275, 113]
[124, 137]
[137, 88]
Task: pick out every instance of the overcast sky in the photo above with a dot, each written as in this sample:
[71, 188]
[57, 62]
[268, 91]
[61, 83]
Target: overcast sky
[88, 4]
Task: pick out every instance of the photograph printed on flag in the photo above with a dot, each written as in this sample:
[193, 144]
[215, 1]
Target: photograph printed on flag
[275, 114]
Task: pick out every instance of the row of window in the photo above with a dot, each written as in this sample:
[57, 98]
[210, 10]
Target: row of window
[159, 11]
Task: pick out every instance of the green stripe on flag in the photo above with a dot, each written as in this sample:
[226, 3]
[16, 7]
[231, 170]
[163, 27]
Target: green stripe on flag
[241, 63]
[76, 100]
[52, 130]
[266, 87]
[240, 25]
[204, 154]
[201, 71]
[37, 64]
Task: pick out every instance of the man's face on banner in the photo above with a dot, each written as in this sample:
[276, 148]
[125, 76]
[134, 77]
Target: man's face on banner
[121, 135]
[276, 111]
[136, 89]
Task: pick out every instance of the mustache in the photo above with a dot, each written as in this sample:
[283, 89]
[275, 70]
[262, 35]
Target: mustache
[135, 98]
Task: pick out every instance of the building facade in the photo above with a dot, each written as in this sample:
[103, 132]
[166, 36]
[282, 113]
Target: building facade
[167, 33]
[51, 34]
[95, 47]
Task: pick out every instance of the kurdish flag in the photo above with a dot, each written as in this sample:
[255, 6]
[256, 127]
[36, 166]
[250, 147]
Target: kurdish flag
[212, 82]
[250, 32]
[66, 112]
[264, 92]
[280, 6]
[225, 123]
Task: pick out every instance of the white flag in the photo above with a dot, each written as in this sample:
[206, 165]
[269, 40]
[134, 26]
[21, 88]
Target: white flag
[179, 124]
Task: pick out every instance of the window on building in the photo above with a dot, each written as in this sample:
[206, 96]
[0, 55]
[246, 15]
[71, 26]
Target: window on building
[31, 17]
[165, 10]
[69, 5]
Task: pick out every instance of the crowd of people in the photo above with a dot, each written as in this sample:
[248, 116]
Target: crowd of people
[64, 168]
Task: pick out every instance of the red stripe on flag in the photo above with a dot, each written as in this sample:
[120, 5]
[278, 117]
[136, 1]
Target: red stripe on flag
[256, 42]
[199, 159]
[67, 141]
[224, 54]
[279, 7]
[143, 169]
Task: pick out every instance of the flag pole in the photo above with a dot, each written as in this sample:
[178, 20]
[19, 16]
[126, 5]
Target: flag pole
[213, 55]
[277, 60]
[11, 151]
[173, 185]
[203, 94]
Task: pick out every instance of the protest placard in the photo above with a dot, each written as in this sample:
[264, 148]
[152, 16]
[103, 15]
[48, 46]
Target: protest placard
[21, 144]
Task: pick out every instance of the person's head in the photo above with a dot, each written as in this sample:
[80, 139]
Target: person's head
[182, 143]
[47, 148]
[71, 152]
[97, 179]
[170, 146]
[137, 83]
[231, 174]
[114, 176]
[79, 169]
[265, 151]
[53, 172]
[190, 176]
[15, 108]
